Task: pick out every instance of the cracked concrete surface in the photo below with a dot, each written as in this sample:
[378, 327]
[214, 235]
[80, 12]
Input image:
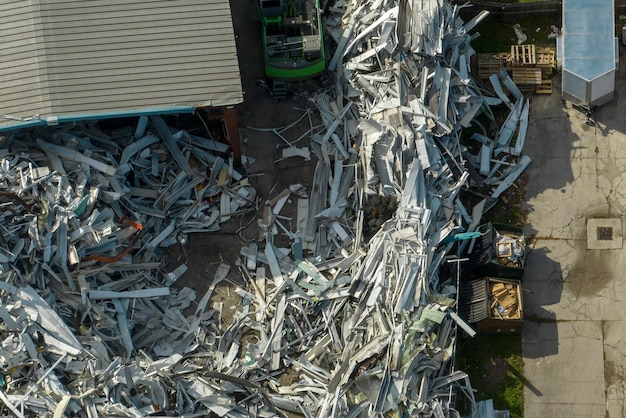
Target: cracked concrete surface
[614, 368]
[574, 337]
[561, 380]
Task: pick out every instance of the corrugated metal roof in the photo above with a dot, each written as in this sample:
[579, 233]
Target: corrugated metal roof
[588, 37]
[76, 57]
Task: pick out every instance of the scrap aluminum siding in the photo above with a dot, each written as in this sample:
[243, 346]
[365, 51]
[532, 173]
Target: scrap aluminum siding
[587, 51]
[81, 58]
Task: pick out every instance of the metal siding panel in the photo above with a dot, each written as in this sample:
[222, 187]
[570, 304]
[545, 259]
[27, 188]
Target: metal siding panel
[23, 84]
[574, 85]
[207, 76]
[118, 78]
[125, 7]
[78, 55]
[602, 86]
[29, 108]
[185, 87]
[19, 67]
[100, 56]
[136, 40]
[155, 31]
[138, 62]
[140, 19]
[138, 98]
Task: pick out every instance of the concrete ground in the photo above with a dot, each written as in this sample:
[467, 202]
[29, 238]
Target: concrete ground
[575, 295]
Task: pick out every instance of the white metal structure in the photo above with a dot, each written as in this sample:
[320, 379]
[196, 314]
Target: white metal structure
[587, 51]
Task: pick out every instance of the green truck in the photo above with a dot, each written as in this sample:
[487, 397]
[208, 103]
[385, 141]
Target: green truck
[293, 40]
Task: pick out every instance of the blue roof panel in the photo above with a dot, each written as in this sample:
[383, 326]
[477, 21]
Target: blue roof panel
[588, 37]
[587, 4]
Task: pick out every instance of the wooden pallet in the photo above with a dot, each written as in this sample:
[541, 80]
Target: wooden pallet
[544, 88]
[491, 64]
[528, 75]
[526, 89]
[545, 58]
[546, 61]
[523, 55]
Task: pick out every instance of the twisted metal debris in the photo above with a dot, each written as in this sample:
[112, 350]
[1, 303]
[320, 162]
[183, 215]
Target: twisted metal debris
[340, 325]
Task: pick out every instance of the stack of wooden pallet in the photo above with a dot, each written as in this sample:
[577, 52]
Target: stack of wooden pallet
[530, 67]
[547, 62]
[488, 64]
[523, 70]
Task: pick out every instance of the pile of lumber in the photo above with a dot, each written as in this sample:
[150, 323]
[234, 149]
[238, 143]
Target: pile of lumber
[505, 303]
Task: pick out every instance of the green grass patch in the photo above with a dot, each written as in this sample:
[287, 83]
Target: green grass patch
[510, 394]
[497, 35]
[496, 369]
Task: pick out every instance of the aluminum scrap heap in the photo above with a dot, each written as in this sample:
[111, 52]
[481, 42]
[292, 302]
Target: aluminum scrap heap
[86, 304]
[382, 333]
[339, 325]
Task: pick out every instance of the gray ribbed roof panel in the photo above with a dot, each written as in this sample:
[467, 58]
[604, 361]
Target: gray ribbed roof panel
[588, 37]
[81, 57]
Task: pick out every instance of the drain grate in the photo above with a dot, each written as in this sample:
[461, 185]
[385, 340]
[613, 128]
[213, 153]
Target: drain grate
[604, 233]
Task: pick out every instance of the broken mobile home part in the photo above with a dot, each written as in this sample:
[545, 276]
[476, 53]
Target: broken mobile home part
[356, 329]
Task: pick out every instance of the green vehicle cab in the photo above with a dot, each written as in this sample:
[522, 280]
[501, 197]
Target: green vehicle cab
[293, 42]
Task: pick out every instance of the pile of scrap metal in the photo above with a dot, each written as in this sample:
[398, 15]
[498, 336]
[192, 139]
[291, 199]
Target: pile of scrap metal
[89, 322]
[339, 325]
[365, 327]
